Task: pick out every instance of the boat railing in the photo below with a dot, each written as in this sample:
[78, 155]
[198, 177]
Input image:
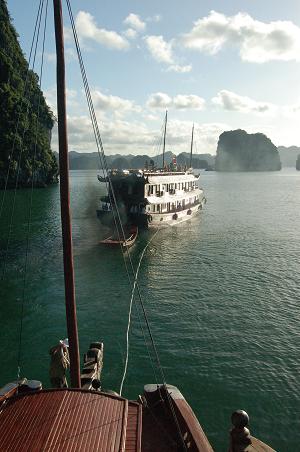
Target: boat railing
[164, 173]
[178, 208]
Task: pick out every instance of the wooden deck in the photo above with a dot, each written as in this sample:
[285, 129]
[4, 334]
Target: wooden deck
[70, 420]
[88, 421]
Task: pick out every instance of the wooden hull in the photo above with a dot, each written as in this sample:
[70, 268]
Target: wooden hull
[111, 241]
[166, 407]
[92, 421]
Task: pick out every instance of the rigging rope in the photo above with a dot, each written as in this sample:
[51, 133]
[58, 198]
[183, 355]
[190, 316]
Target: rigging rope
[31, 192]
[129, 313]
[19, 115]
[112, 196]
[102, 159]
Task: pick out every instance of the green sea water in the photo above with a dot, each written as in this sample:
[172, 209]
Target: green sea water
[222, 293]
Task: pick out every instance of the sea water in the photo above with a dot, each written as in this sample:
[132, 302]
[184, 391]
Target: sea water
[221, 292]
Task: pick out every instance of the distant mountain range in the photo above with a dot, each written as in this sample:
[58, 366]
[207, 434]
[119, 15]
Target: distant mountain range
[90, 161]
[288, 155]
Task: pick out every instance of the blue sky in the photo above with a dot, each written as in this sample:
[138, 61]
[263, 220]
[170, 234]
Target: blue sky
[219, 64]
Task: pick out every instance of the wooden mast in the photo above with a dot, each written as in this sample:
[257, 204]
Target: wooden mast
[192, 142]
[65, 199]
[165, 132]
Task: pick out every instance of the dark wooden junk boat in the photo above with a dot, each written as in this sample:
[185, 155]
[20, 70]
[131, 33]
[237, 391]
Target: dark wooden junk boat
[84, 418]
[114, 240]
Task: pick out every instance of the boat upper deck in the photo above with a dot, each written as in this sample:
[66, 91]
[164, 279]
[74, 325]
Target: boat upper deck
[70, 420]
[161, 173]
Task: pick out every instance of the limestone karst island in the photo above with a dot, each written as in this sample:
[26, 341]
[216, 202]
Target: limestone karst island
[26, 121]
[239, 151]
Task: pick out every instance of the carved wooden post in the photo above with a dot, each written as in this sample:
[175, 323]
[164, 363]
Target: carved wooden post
[239, 435]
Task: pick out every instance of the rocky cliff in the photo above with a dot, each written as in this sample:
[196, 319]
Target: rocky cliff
[25, 119]
[239, 151]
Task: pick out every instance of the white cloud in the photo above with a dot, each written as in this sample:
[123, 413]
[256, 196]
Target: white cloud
[160, 50]
[50, 57]
[179, 69]
[113, 103]
[184, 102]
[134, 21]
[118, 137]
[130, 33]
[88, 29]
[156, 18]
[50, 96]
[234, 102]
[291, 111]
[258, 41]
[70, 54]
[150, 117]
[179, 102]
[68, 34]
[159, 100]
[205, 136]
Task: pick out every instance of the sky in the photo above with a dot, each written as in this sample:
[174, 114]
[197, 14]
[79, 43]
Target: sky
[221, 65]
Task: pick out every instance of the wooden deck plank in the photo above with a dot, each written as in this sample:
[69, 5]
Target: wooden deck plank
[68, 420]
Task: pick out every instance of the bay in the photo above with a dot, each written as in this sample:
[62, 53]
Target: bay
[221, 292]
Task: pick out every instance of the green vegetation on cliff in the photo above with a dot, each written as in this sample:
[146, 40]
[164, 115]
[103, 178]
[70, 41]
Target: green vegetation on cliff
[17, 107]
[239, 151]
[298, 163]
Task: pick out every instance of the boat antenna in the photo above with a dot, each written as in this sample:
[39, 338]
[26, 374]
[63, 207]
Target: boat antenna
[165, 132]
[192, 142]
[65, 199]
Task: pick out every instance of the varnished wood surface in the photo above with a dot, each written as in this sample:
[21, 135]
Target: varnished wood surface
[258, 446]
[69, 420]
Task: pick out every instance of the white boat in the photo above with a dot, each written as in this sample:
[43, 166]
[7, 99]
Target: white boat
[172, 197]
[152, 196]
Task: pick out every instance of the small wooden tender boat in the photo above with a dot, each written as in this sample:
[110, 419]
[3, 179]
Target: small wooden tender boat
[112, 240]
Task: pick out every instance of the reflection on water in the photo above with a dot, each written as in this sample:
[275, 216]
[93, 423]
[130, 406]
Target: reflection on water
[221, 292]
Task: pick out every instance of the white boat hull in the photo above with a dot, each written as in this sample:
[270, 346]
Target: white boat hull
[173, 218]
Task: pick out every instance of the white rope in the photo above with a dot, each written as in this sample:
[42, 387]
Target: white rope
[130, 310]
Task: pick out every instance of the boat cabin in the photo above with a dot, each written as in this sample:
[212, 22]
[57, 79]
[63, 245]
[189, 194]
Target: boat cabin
[142, 194]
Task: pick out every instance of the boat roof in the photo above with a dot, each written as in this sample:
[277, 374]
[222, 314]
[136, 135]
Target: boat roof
[169, 178]
[70, 420]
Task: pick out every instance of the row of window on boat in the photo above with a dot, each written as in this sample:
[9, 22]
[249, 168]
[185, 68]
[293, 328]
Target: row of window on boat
[174, 206]
[164, 207]
[158, 190]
